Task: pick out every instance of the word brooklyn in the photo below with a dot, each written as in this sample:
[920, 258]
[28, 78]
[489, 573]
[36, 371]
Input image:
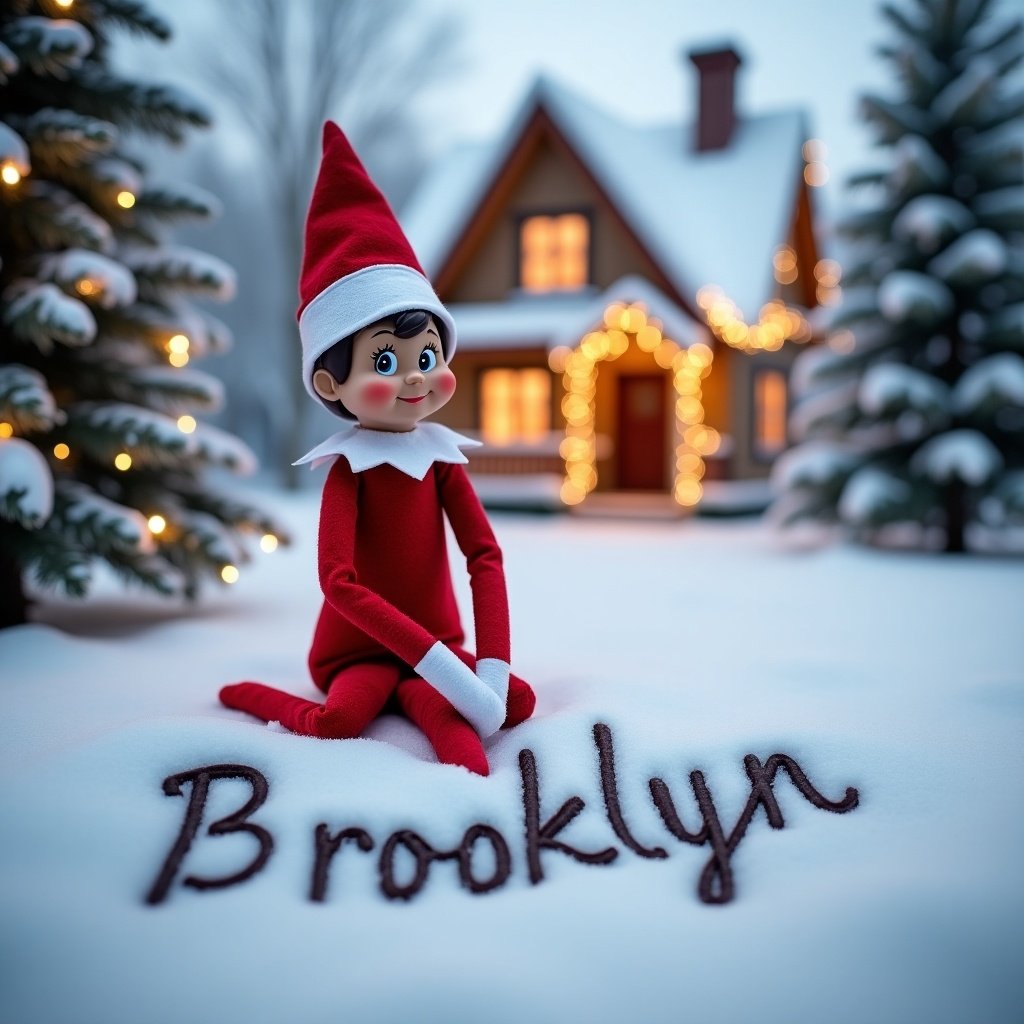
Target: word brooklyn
[540, 837]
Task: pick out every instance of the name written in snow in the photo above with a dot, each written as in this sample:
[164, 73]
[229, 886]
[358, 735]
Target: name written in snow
[716, 883]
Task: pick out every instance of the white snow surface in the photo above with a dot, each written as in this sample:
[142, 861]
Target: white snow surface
[977, 256]
[23, 469]
[908, 295]
[930, 219]
[13, 150]
[113, 283]
[999, 378]
[696, 642]
[886, 385]
[966, 455]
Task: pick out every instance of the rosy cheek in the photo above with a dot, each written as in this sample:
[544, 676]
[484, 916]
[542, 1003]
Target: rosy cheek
[377, 393]
[445, 383]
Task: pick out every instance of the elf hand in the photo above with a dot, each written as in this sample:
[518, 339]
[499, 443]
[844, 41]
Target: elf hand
[479, 702]
[494, 673]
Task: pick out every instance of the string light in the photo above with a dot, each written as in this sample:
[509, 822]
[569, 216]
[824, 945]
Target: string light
[157, 525]
[777, 323]
[177, 346]
[125, 199]
[61, 451]
[86, 287]
[123, 461]
[268, 542]
[65, 3]
[178, 359]
[815, 170]
[828, 274]
[10, 174]
[580, 367]
[6, 429]
[186, 424]
[229, 574]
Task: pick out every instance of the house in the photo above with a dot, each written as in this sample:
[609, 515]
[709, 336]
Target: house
[629, 298]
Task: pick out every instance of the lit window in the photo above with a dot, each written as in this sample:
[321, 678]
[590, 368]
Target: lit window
[553, 252]
[515, 405]
[769, 412]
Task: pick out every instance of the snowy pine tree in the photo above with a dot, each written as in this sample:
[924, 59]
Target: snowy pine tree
[101, 456]
[915, 414]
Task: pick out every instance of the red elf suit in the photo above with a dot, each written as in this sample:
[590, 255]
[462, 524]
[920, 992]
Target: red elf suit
[389, 631]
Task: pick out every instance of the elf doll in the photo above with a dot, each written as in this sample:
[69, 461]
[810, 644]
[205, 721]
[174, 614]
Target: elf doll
[376, 348]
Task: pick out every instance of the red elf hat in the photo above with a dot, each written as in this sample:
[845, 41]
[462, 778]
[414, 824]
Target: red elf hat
[357, 265]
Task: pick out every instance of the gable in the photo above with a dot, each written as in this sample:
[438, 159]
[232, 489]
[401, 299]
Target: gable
[543, 176]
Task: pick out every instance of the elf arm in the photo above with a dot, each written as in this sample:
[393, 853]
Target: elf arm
[486, 576]
[380, 619]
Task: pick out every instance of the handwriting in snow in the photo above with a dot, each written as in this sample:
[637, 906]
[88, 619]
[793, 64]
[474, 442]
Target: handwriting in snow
[540, 835]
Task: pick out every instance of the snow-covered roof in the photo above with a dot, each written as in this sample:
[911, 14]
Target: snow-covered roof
[527, 321]
[706, 218]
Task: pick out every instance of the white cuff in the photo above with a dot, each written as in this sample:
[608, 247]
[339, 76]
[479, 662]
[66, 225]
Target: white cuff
[494, 673]
[456, 682]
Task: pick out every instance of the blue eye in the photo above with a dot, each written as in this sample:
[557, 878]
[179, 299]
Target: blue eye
[428, 358]
[385, 362]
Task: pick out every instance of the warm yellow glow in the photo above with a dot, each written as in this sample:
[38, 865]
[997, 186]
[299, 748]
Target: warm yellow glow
[626, 324]
[557, 357]
[814, 149]
[178, 343]
[178, 359]
[816, 174]
[6, 429]
[515, 405]
[554, 252]
[10, 174]
[187, 424]
[86, 287]
[123, 461]
[770, 411]
[157, 524]
[229, 574]
[776, 324]
[64, 3]
[61, 451]
[268, 542]
[125, 199]
[842, 342]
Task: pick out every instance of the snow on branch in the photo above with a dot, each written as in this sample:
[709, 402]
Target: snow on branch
[184, 270]
[905, 295]
[64, 136]
[963, 100]
[97, 524]
[1006, 327]
[889, 389]
[118, 175]
[874, 496]
[892, 121]
[210, 537]
[1002, 208]
[177, 202]
[169, 390]
[965, 455]
[26, 484]
[14, 150]
[990, 385]
[8, 63]
[100, 279]
[43, 314]
[134, 16]
[161, 109]
[917, 167]
[104, 428]
[49, 46]
[26, 401]
[930, 220]
[814, 464]
[971, 260]
[56, 219]
[220, 448]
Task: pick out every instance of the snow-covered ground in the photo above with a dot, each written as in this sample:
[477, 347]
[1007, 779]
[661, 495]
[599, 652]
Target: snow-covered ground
[697, 643]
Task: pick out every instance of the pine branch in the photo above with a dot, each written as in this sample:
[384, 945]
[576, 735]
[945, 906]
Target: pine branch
[26, 401]
[59, 137]
[134, 16]
[49, 217]
[53, 562]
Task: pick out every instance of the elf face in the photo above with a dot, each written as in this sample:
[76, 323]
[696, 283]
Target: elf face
[394, 382]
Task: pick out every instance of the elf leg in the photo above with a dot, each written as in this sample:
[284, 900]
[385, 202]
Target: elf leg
[521, 698]
[454, 740]
[356, 697]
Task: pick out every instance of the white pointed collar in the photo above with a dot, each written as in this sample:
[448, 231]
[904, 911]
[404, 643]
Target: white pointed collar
[411, 451]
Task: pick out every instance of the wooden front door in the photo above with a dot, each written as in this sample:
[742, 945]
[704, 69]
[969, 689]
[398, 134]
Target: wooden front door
[641, 454]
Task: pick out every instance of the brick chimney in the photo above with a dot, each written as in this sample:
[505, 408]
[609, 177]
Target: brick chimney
[716, 105]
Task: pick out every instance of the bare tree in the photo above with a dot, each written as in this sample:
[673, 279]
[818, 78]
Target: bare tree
[294, 63]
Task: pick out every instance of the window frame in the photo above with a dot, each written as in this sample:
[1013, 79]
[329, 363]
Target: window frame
[758, 451]
[482, 371]
[520, 219]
